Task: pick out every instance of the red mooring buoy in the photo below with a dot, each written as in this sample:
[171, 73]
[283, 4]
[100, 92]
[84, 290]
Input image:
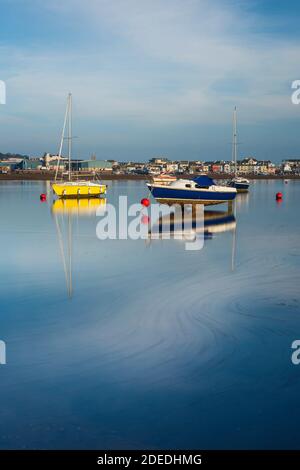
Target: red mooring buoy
[278, 196]
[43, 197]
[145, 202]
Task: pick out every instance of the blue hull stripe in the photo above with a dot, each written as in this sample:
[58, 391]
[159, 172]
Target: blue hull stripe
[167, 193]
[239, 185]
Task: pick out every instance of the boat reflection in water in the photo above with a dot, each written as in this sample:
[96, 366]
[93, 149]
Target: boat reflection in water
[242, 199]
[172, 226]
[214, 222]
[78, 207]
[64, 212]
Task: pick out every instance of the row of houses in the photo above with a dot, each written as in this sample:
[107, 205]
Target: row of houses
[157, 165]
[246, 166]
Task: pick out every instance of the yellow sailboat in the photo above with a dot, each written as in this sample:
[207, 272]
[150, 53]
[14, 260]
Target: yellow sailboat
[74, 189]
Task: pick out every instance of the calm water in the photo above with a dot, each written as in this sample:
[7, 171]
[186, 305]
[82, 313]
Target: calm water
[157, 347]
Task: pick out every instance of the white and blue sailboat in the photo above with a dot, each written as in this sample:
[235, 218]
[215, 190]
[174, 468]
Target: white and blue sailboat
[239, 183]
[202, 190]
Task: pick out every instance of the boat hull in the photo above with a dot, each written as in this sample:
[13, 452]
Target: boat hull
[78, 191]
[240, 187]
[166, 195]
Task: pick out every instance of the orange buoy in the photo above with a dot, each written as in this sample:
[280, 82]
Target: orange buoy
[145, 202]
[43, 197]
[278, 196]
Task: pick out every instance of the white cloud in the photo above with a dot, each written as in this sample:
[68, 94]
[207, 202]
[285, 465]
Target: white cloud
[162, 62]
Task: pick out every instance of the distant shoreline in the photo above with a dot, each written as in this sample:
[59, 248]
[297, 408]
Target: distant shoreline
[49, 176]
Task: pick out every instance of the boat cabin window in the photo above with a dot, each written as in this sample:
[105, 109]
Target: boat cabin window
[201, 187]
[188, 186]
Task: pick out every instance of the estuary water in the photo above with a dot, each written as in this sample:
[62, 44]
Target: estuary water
[141, 343]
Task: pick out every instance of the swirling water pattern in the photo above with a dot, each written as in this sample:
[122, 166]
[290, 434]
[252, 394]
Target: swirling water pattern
[158, 347]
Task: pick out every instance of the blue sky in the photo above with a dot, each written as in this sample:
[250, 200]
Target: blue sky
[149, 78]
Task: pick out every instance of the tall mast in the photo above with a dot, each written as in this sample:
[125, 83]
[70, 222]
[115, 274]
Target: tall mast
[62, 139]
[70, 133]
[234, 142]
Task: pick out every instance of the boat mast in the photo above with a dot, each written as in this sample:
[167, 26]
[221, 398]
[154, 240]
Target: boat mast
[70, 132]
[62, 139]
[234, 142]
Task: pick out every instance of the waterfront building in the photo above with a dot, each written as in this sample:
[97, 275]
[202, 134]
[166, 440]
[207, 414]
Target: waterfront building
[171, 167]
[291, 165]
[247, 165]
[159, 160]
[11, 164]
[91, 165]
